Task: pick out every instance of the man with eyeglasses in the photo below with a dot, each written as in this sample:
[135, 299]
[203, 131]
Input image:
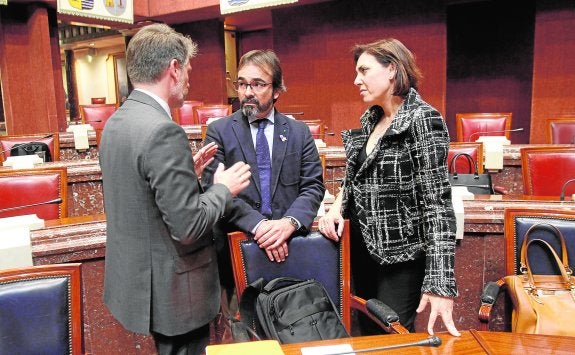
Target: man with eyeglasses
[290, 171]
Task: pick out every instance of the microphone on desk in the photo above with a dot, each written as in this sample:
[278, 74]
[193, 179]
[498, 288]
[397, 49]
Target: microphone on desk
[434, 341]
[57, 200]
[489, 132]
[324, 134]
[15, 146]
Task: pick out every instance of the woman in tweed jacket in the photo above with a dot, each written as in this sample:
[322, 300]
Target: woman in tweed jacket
[396, 191]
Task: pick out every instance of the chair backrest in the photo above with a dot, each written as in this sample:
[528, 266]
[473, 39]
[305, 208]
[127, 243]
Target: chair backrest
[97, 115]
[185, 115]
[316, 127]
[561, 131]
[20, 187]
[203, 113]
[52, 140]
[41, 310]
[519, 220]
[546, 169]
[462, 165]
[471, 126]
[311, 256]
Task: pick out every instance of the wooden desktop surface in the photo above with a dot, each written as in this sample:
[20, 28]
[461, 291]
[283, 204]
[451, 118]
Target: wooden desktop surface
[470, 342]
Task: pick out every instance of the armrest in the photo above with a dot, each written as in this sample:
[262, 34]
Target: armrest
[500, 190]
[380, 313]
[488, 298]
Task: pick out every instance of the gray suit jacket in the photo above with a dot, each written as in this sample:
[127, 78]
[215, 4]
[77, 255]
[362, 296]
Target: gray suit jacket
[161, 271]
[297, 181]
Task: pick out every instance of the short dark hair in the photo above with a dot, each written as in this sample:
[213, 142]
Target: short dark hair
[265, 60]
[390, 50]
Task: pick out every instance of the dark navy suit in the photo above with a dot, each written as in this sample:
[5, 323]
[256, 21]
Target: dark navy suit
[297, 187]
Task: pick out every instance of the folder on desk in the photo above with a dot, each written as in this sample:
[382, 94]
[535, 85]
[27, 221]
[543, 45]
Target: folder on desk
[263, 347]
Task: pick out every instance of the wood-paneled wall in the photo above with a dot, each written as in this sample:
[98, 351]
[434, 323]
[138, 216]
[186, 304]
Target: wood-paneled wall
[30, 68]
[314, 44]
[553, 65]
[208, 78]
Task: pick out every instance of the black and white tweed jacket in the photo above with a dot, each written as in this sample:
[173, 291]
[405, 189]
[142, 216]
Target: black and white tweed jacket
[401, 193]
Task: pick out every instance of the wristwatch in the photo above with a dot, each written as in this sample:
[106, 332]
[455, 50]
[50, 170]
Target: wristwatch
[293, 222]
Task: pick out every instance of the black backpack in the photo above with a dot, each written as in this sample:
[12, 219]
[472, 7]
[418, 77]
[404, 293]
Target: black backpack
[291, 311]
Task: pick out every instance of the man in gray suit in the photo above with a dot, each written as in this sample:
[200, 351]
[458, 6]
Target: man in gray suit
[294, 179]
[161, 272]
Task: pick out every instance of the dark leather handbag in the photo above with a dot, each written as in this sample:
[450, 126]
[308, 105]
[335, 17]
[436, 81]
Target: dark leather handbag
[30, 149]
[478, 184]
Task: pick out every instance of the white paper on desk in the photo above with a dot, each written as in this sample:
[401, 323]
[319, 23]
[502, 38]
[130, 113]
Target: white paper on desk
[80, 135]
[22, 161]
[458, 194]
[15, 248]
[31, 221]
[343, 349]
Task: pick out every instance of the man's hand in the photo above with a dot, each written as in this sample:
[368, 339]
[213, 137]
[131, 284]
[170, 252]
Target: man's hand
[204, 157]
[272, 236]
[235, 178]
[440, 306]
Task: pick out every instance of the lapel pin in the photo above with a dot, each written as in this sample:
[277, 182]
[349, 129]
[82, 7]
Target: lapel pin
[283, 138]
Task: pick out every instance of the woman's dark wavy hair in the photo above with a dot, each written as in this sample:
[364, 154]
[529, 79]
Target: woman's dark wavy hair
[390, 50]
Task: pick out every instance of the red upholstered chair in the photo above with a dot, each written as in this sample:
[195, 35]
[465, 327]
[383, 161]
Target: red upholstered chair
[20, 187]
[546, 169]
[98, 100]
[41, 308]
[203, 113]
[316, 127]
[51, 140]
[517, 221]
[462, 164]
[561, 131]
[312, 256]
[97, 115]
[185, 114]
[471, 126]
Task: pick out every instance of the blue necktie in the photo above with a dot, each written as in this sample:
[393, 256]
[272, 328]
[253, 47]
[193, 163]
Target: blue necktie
[264, 167]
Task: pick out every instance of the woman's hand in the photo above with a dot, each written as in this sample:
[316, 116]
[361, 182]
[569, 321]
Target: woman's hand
[442, 307]
[331, 225]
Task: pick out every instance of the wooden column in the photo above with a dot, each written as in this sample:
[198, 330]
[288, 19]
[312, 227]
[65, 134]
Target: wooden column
[30, 68]
[72, 86]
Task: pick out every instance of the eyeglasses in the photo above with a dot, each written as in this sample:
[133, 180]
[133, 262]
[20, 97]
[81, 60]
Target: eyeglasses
[256, 86]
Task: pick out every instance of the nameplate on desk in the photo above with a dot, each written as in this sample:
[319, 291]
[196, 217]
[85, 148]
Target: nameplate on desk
[493, 151]
[458, 194]
[80, 135]
[263, 347]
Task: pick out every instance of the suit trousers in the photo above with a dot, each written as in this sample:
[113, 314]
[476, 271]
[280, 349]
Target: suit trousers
[191, 343]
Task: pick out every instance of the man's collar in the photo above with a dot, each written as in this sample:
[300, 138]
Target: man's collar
[270, 117]
[160, 101]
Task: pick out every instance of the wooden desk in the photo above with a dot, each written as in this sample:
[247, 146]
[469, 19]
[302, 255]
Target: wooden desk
[470, 342]
[479, 257]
